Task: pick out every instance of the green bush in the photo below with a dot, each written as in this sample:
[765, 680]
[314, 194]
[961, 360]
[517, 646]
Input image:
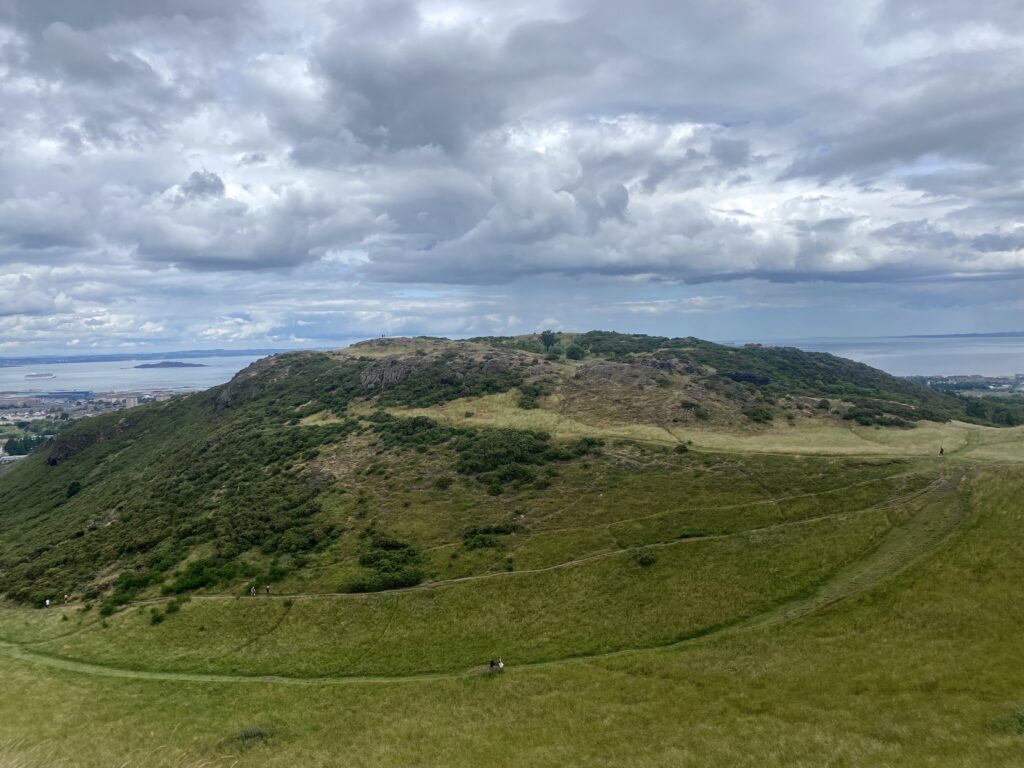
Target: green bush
[575, 352]
[758, 414]
[644, 558]
[392, 564]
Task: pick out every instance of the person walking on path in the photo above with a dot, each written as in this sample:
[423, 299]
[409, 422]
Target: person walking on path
[252, 591]
[268, 589]
[501, 664]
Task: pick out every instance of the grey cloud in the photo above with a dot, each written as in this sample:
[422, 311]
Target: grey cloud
[900, 17]
[442, 87]
[216, 232]
[376, 148]
[1001, 241]
[36, 16]
[730, 153]
[965, 107]
[253, 158]
[202, 184]
[919, 232]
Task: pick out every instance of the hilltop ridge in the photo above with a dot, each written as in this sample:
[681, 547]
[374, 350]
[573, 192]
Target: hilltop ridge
[328, 459]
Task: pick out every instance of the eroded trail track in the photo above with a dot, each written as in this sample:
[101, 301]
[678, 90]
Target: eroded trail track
[922, 523]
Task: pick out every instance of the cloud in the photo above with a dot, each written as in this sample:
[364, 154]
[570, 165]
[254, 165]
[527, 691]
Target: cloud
[201, 184]
[309, 170]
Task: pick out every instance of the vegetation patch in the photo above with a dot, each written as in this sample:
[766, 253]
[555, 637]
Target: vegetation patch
[391, 564]
[247, 738]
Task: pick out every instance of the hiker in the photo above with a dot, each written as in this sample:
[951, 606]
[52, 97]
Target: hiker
[501, 664]
[252, 591]
[942, 451]
[67, 599]
[268, 589]
[47, 602]
[492, 664]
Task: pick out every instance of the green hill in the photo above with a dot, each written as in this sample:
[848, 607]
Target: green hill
[257, 479]
[665, 527]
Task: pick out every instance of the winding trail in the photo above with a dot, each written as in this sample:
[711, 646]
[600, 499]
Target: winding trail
[887, 504]
[930, 526]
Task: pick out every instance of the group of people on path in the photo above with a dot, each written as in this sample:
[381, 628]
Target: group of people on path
[498, 665]
[252, 590]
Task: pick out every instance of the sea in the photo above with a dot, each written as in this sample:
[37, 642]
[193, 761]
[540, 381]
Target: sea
[901, 356]
[121, 375]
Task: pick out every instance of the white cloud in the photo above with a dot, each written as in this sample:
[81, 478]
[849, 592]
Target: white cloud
[245, 171]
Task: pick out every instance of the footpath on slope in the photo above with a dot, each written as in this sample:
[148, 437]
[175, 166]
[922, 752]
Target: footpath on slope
[906, 544]
[603, 554]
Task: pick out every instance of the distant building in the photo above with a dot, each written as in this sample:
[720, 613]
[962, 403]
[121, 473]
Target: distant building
[131, 401]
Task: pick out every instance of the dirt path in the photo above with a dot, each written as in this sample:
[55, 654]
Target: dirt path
[932, 524]
[888, 503]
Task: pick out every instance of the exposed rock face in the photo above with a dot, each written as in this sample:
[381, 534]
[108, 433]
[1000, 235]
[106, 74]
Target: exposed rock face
[642, 371]
[259, 377]
[65, 446]
[388, 372]
[662, 365]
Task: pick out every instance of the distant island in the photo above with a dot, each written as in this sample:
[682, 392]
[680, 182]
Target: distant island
[171, 364]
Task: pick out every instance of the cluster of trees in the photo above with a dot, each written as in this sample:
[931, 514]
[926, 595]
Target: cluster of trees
[23, 445]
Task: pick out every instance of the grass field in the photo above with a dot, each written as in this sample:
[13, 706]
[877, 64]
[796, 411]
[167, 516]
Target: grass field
[917, 667]
[677, 591]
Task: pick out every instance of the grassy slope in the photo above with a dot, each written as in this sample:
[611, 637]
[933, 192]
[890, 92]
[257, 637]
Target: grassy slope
[920, 671]
[774, 586]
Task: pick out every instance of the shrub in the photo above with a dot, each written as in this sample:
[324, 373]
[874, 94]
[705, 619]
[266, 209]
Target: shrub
[575, 352]
[532, 391]
[644, 558]
[681, 448]
[480, 541]
[758, 414]
[443, 483]
[74, 488]
[392, 564]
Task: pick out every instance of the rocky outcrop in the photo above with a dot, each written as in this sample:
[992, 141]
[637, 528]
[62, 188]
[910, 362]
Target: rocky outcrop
[69, 444]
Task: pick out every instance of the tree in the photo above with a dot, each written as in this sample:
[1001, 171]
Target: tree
[548, 339]
[575, 352]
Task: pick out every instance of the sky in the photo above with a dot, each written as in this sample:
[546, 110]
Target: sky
[233, 173]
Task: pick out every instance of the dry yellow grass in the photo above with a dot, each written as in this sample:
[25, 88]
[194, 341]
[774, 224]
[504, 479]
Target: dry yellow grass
[823, 436]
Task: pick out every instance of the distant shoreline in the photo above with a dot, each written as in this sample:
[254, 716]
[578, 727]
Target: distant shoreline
[172, 364]
[40, 360]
